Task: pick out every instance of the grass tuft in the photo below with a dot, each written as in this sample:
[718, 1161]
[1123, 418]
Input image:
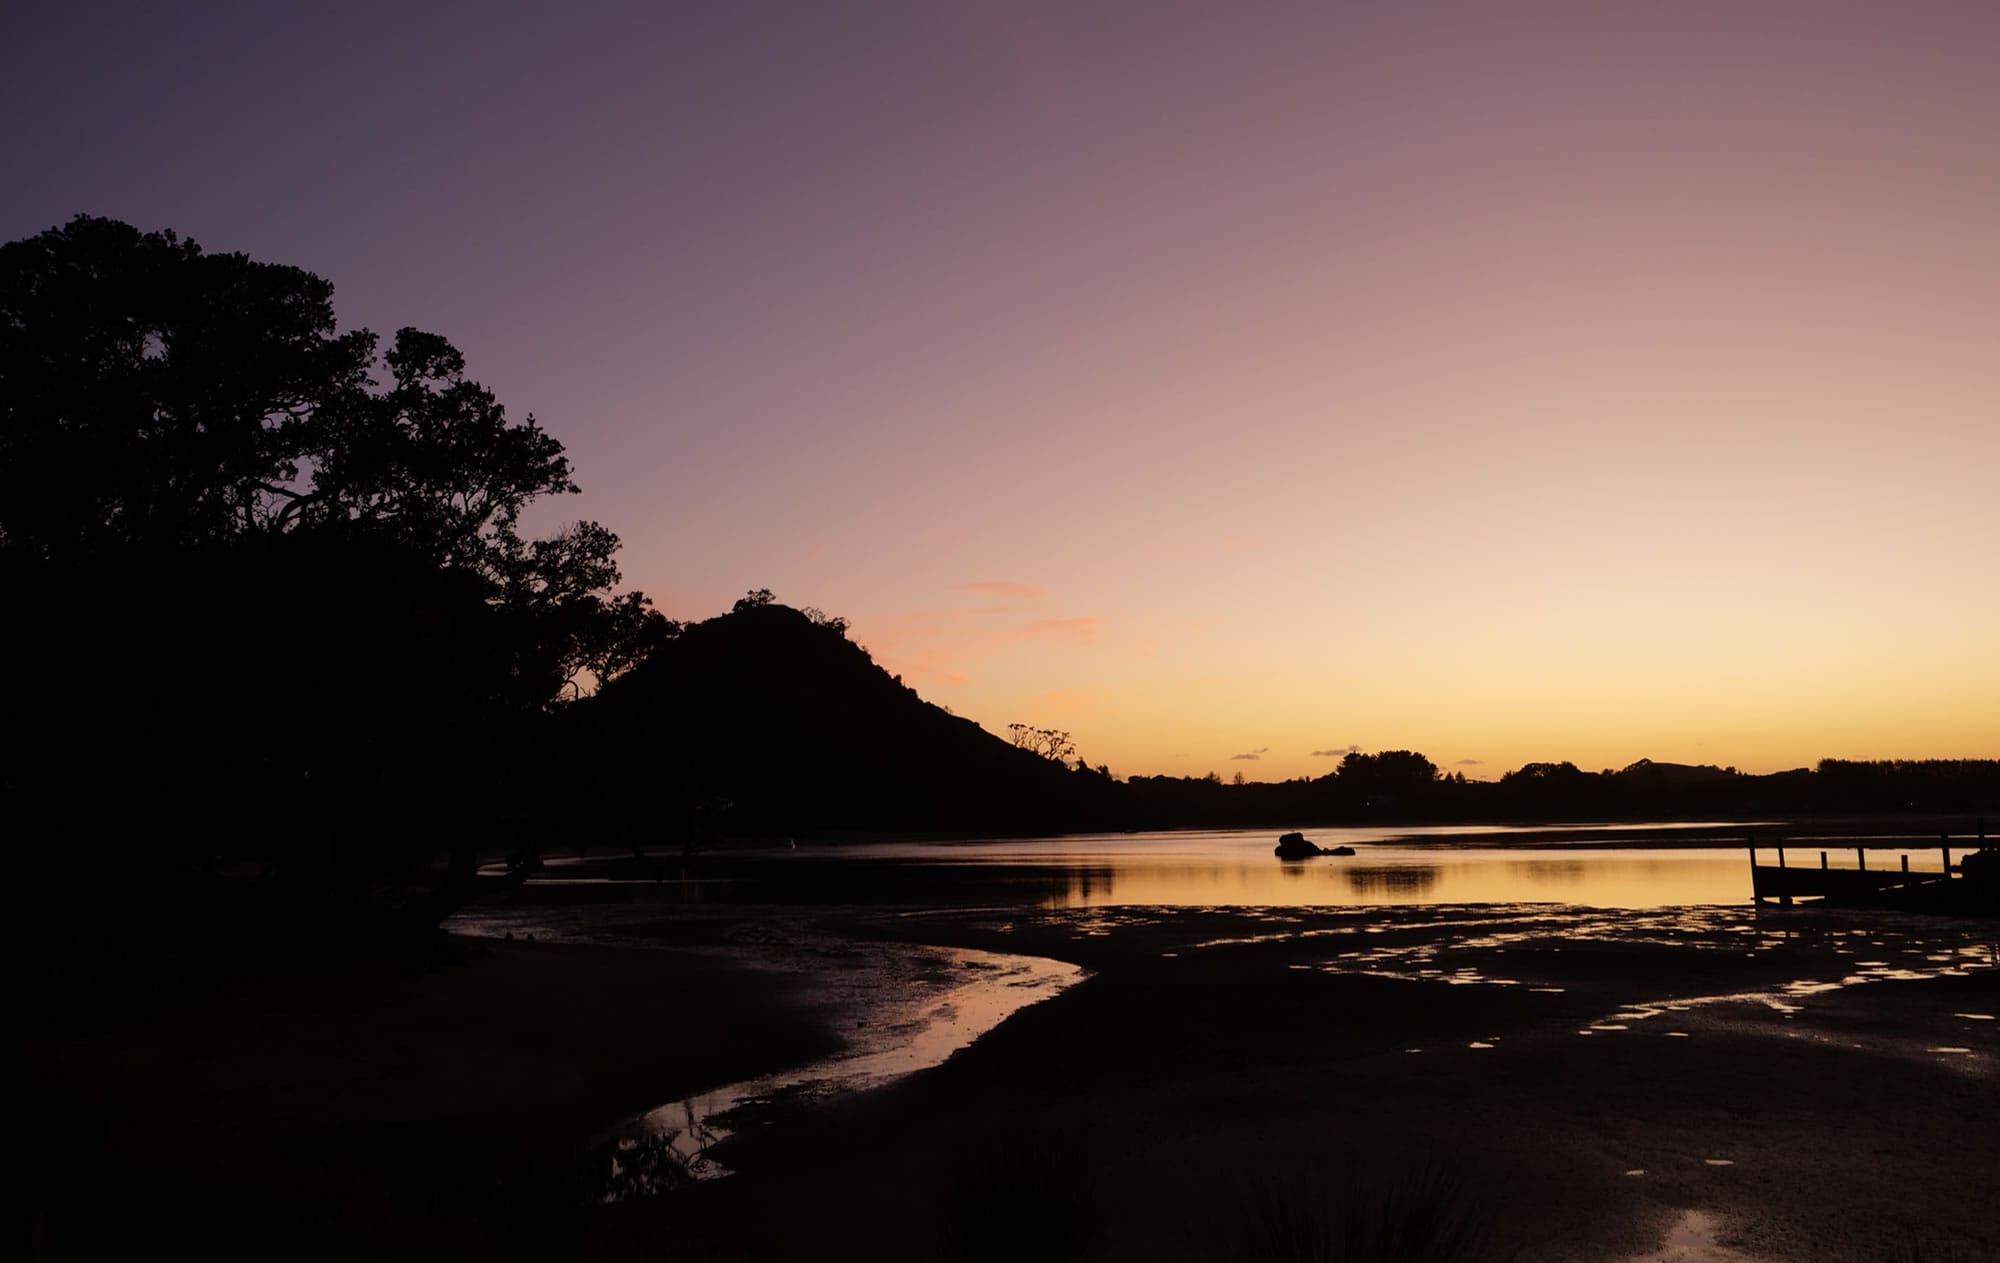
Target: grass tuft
[1922, 1249]
[1017, 1194]
[1424, 1212]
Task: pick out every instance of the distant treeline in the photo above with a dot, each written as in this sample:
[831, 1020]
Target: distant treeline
[1401, 785]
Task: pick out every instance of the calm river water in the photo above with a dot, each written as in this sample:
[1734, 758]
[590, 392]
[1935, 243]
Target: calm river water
[1603, 866]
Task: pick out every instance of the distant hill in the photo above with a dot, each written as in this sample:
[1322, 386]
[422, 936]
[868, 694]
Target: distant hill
[766, 721]
[1648, 774]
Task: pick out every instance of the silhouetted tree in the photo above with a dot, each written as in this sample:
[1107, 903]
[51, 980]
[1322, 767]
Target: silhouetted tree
[154, 397]
[298, 610]
[1050, 743]
[829, 622]
[1550, 790]
[1392, 783]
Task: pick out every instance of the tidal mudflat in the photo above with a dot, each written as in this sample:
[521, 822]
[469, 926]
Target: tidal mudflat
[1567, 1084]
[1558, 1080]
[890, 1058]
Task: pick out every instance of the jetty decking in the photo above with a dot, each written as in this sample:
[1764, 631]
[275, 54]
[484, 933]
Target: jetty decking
[1890, 882]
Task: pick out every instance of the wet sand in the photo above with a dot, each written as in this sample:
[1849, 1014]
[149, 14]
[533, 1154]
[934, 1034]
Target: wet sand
[1729, 1101]
[1226, 1083]
[414, 1112]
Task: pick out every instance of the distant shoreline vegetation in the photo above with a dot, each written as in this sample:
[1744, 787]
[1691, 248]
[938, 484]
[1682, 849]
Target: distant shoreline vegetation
[1396, 785]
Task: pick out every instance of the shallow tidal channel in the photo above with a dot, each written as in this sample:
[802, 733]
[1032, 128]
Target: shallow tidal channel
[900, 1008]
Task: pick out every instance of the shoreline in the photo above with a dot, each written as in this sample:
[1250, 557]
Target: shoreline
[1528, 1058]
[381, 1109]
[1962, 826]
[1621, 1080]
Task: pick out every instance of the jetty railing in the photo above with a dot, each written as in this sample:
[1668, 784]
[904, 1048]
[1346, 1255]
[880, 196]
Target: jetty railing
[1784, 882]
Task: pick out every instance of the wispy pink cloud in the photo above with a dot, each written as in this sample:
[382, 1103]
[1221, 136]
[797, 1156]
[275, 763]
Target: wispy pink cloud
[1005, 590]
[1066, 701]
[1080, 630]
[945, 646]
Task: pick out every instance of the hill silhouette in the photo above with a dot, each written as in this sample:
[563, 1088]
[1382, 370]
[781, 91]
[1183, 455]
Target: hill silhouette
[765, 721]
[1647, 772]
[768, 722]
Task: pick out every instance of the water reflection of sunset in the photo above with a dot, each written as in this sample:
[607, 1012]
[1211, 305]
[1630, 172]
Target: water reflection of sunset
[1236, 868]
[1407, 875]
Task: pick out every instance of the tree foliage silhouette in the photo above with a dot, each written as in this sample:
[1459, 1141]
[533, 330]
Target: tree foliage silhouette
[287, 566]
[1051, 743]
[155, 397]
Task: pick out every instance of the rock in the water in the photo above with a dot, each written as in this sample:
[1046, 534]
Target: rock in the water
[1293, 846]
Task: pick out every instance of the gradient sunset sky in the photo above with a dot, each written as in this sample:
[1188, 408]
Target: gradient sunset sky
[1226, 383]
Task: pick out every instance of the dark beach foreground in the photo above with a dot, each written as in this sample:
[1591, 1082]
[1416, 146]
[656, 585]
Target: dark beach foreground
[1528, 1083]
[381, 1111]
[1561, 1085]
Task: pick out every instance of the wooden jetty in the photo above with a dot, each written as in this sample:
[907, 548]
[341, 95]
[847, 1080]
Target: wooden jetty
[1897, 885]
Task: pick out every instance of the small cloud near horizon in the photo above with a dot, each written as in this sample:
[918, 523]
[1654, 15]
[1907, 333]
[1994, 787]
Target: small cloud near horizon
[948, 646]
[1066, 701]
[1334, 754]
[1074, 630]
[1253, 755]
[1006, 590]
[1471, 762]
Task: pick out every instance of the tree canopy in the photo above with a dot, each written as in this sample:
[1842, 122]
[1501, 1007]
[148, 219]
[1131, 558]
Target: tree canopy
[273, 592]
[155, 398]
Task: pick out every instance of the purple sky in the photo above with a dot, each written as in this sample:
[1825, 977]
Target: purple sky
[1507, 381]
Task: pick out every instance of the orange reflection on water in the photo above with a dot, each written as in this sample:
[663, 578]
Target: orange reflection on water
[1415, 866]
[1407, 875]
